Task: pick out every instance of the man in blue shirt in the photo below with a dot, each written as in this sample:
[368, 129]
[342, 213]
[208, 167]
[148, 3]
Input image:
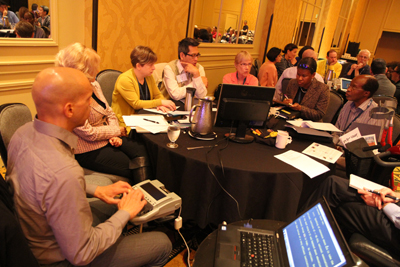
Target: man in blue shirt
[5, 13]
[358, 211]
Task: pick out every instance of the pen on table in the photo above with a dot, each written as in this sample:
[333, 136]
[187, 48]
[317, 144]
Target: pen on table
[197, 147]
[151, 121]
[287, 98]
[388, 196]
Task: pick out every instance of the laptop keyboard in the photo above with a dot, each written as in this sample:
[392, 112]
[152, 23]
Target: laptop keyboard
[256, 250]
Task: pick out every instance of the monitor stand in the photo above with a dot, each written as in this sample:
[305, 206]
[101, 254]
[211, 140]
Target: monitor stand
[241, 137]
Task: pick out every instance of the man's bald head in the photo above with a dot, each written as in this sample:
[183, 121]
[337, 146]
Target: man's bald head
[57, 91]
[310, 53]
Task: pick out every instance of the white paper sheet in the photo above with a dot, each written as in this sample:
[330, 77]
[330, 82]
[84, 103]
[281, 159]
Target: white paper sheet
[322, 152]
[350, 136]
[360, 183]
[149, 125]
[310, 167]
[322, 126]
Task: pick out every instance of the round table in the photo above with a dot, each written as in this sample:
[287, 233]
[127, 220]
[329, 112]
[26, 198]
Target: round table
[264, 187]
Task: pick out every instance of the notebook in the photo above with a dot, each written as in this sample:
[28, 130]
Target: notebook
[312, 239]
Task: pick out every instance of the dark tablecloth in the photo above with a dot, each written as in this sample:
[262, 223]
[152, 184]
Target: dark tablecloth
[265, 187]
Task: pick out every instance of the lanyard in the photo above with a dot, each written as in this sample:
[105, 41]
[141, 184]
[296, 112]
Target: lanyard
[348, 115]
[237, 77]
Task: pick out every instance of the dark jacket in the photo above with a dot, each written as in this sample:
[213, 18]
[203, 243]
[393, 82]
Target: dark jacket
[314, 103]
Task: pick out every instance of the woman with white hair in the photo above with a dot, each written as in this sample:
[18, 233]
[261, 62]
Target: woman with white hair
[243, 63]
[103, 145]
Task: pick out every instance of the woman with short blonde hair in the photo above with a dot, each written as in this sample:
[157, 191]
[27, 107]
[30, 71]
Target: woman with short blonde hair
[103, 145]
[243, 63]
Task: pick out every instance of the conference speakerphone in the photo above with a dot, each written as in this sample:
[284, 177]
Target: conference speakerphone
[160, 202]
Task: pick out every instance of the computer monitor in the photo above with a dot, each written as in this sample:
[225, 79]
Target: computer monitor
[344, 84]
[243, 106]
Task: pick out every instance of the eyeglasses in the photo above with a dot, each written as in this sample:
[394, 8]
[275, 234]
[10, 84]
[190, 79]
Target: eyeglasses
[193, 55]
[245, 64]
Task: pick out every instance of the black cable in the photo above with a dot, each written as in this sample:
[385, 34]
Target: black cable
[223, 174]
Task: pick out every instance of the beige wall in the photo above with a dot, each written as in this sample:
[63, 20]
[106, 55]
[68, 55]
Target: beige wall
[126, 24]
[330, 26]
[250, 11]
[371, 19]
[283, 25]
[20, 61]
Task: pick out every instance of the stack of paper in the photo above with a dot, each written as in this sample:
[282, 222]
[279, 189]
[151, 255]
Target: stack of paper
[322, 126]
[147, 123]
[357, 182]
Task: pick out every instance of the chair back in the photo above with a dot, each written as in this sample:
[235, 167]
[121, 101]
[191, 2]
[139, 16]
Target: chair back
[107, 79]
[334, 106]
[12, 116]
[285, 83]
[371, 253]
[257, 65]
[253, 70]
[157, 73]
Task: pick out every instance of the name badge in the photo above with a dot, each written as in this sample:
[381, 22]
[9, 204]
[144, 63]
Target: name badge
[181, 78]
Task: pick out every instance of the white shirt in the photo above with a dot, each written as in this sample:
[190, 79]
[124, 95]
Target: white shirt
[178, 93]
[290, 73]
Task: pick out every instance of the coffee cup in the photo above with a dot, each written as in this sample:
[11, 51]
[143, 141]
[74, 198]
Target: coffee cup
[282, 139]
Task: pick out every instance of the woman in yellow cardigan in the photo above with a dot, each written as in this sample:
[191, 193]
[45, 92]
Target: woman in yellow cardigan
[136, 89]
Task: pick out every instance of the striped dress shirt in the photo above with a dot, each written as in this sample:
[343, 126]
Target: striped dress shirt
[350, 114]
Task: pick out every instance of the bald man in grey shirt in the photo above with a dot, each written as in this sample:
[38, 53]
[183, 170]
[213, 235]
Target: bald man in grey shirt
[50, 190]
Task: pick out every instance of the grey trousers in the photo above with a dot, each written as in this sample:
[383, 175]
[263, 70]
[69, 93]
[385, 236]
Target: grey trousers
[146, 249]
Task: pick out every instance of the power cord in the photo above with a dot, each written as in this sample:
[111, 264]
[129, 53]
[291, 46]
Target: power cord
[178, 225]
[223, 173]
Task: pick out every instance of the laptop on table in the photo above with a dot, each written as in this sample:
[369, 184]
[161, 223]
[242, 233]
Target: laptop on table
[312, 239]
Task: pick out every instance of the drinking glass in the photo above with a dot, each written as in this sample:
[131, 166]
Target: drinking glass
[173, 134]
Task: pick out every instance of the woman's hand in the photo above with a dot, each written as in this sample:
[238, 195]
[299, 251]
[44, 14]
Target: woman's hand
[287, 101]
[167, 104]
[123, 131]
[296, 106]
[115, 141]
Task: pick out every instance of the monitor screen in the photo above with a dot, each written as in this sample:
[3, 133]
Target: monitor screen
[345, 83]
[152, 191]
[247, 95]
[243, 106]
[310, 240]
